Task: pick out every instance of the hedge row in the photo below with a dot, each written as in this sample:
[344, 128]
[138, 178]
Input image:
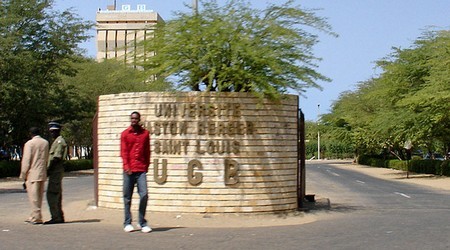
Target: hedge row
[9, 168]
[76, 165]
[12, 168]
[435, 167]
[331, 150]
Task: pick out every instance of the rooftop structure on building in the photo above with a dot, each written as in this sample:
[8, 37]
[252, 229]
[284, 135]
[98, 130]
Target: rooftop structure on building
[119, 31]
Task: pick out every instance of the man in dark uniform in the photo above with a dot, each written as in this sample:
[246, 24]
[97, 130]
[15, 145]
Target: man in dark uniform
[55, 171]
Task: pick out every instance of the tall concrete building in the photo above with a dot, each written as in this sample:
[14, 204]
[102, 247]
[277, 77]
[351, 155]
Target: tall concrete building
[120, 31]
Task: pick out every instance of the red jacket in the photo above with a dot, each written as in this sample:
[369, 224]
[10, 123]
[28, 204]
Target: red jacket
[135, 149]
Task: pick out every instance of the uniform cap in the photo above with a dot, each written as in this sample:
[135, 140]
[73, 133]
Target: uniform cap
[54, 126]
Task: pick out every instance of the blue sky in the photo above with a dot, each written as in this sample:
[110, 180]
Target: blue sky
[367, 29]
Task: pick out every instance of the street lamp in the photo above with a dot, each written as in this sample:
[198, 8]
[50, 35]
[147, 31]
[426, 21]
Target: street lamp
[318, 132]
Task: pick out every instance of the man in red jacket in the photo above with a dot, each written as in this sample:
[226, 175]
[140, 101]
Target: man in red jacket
[135, 153]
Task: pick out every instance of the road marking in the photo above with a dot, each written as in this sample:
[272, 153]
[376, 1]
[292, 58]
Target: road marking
[404, 195]
[362, 182]
[333, 173]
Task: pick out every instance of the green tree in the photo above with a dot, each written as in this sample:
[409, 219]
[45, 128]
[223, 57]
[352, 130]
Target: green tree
[236, 48]
[92, 80]
[331, 146]
[352, 118]
[410, 100]
[37, 47]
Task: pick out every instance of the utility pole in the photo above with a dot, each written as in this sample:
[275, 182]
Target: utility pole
[318, 132]
[195, 6]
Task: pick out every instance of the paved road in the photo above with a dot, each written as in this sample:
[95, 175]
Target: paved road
[377, 213]
[365, 213]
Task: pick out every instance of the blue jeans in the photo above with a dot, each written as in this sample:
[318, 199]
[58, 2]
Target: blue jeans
[129, 181]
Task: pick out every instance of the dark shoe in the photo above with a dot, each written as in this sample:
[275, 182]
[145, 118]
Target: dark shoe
[54, 221]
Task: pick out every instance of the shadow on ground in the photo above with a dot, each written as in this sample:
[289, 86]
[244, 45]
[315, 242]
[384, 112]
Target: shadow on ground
[83, 221]
[12, 190]
[325, 205]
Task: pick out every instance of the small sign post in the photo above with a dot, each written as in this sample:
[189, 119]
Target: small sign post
[408, 146]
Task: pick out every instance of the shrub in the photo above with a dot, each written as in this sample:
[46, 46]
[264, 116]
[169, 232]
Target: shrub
[416, 158]
[311, 150]
[372, 160]
[338, 150]
[330, 150]
[9, 168]
[397, 164]
[78, 165]
[444, 168]
[417, 166]
[425, 166]
[12, 168]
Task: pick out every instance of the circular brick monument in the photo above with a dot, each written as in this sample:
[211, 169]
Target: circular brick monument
[210, 152]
